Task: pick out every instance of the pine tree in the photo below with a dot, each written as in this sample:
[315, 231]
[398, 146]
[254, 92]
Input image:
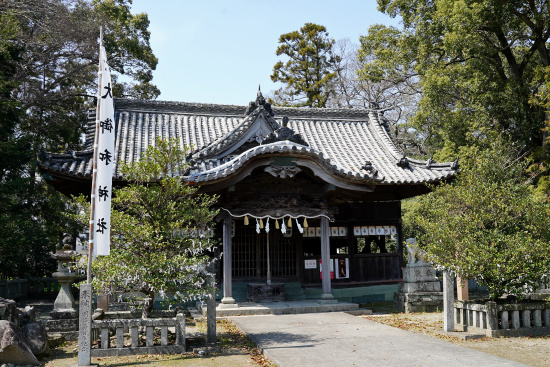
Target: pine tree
[309, 69]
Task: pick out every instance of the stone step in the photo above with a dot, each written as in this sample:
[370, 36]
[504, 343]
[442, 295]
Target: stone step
[282, 308]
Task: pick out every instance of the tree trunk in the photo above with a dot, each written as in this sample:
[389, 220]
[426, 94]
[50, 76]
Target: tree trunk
[148, 304]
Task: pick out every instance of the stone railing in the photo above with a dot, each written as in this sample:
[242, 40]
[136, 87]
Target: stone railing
[494, 320]
[107, 327]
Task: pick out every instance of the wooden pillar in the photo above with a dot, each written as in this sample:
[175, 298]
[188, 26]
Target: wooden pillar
[352, 249]
[102, 302]
[462, 291]
[400, 248]
[325, 257]
[227, 268]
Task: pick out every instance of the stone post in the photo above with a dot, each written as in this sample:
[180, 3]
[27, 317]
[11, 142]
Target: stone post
[492, 316]
[180, 331]
[85, 325]
[448, 302]
[227, 300]
[211, 308]
[326, 296]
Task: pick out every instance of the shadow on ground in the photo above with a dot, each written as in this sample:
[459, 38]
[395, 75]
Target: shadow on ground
[281, 338]
[380, 308]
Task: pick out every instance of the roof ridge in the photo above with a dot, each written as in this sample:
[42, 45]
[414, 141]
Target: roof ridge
[189, 107]
[172, 106]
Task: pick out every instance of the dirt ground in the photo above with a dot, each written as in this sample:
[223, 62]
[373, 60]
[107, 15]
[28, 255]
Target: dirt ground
[235, 349]
[534, 351]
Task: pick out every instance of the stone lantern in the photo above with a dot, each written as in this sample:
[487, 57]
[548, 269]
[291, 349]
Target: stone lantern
[64, 315]
[64, 257]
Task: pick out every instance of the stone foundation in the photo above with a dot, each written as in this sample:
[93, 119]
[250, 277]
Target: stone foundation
[420, 290]
[420, 301]
[63, 322]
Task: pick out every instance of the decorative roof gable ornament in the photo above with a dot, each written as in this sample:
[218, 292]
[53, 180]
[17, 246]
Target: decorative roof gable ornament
[430, 162]
[284, 133]
[260, 101]
[283, 171]
[370, 168]
[403, 162]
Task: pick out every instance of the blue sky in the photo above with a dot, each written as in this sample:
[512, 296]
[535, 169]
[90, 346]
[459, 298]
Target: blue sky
[219, 51]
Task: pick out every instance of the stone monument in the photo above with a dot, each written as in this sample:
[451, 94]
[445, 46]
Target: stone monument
[64, 319]
[420, 290]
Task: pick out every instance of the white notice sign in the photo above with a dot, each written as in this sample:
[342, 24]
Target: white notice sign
[310, 264]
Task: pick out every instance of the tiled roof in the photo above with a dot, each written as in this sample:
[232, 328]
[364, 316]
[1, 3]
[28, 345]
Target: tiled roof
[342, 141]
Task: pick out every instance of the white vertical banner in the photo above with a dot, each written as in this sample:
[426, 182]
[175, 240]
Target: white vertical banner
[105, 157]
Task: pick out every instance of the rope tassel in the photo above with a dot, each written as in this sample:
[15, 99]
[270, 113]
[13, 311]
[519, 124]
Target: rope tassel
[305, 222]
[246, 220]
[261, 223]
[289, 224]
[276, 224]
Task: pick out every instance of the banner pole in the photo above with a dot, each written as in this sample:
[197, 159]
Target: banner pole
[94, 171]
[85, 301]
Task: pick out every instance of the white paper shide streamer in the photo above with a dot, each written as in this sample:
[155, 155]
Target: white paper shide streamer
[105, 158]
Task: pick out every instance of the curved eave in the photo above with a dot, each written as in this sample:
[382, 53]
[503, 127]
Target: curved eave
[79, 165]
[285, 148]
[315, 160]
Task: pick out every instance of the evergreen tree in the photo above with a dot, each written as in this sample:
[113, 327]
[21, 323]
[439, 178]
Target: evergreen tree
[48, 80]
[309, 69]
[478, 66]
[160, 227]
[488, 225]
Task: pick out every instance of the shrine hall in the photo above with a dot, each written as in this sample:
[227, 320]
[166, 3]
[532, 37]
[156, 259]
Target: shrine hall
[303, 192]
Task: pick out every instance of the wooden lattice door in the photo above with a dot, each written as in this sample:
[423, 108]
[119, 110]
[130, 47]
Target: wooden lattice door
[249, 258]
